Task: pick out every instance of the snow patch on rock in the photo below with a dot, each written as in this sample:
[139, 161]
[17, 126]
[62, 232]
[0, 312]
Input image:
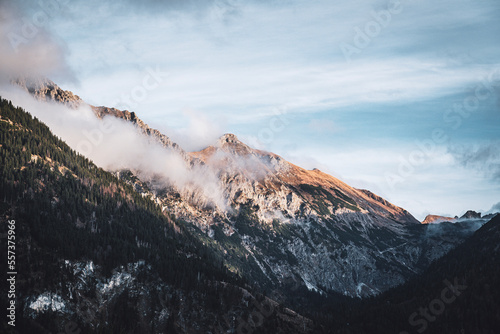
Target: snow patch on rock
[48, 301]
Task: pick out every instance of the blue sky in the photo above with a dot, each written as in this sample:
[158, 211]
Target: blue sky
[277, 74]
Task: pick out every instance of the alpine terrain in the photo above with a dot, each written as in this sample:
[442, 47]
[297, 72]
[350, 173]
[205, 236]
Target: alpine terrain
[248, 242]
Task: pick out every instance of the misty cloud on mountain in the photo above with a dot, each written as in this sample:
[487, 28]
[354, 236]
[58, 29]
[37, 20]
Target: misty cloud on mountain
[121, 146]
[495, 208]
[200, 131]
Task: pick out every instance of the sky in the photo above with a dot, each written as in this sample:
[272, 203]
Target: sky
[398, 97]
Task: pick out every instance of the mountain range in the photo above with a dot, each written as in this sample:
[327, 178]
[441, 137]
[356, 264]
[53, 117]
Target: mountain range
[249, 228]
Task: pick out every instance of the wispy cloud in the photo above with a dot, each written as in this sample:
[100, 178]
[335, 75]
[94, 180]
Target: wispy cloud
[495, 208]
[200, 131]
[322, 125]
[484, 157]
[115, 144]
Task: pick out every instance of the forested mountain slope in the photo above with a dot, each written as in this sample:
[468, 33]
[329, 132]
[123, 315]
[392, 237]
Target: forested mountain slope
[94, 252]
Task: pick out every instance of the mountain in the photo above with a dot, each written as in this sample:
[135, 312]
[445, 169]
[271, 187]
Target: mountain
[471, 218]
[288, 223]
[471, 215]
[435, 219]
[273, 222]
[269, 247]
[93, 255]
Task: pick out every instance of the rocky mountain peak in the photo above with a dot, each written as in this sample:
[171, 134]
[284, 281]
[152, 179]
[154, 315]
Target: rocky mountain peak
[231, 144]
[471, 215]
[434, 219]
[44, 89]
[229, 138]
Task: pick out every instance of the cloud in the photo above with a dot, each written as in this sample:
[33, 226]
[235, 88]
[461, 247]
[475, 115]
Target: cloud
[159, 7]
[27, 48]
[240, 59]
[484, 158]
[115, 144]
[199, 132]
[495, 208]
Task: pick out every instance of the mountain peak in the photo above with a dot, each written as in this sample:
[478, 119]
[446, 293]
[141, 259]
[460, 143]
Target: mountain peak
[230, 143]
[44, 89]
[229, 137]
[435, 219]
[471, 215]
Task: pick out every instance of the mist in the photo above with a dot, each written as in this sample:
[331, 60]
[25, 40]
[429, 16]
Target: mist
[483, 157]
[197, 133]
[115, 144]
[27, 48]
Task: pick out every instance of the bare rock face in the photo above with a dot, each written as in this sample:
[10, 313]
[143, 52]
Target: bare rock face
[46, 90]
[280, 188]
[434, 219]
[471, 215]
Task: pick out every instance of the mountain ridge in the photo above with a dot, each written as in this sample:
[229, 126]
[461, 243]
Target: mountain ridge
[283, 222]
[44, 89]
[470, 215]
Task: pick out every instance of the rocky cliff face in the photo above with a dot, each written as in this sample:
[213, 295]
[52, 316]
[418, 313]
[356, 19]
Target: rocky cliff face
[46, 90]
[284, 222]
[471, 215]
[276, 221]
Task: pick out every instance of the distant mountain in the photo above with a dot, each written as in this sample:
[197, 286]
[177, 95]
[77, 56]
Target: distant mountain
[279, 222]
[471, 215]
[434, 219]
